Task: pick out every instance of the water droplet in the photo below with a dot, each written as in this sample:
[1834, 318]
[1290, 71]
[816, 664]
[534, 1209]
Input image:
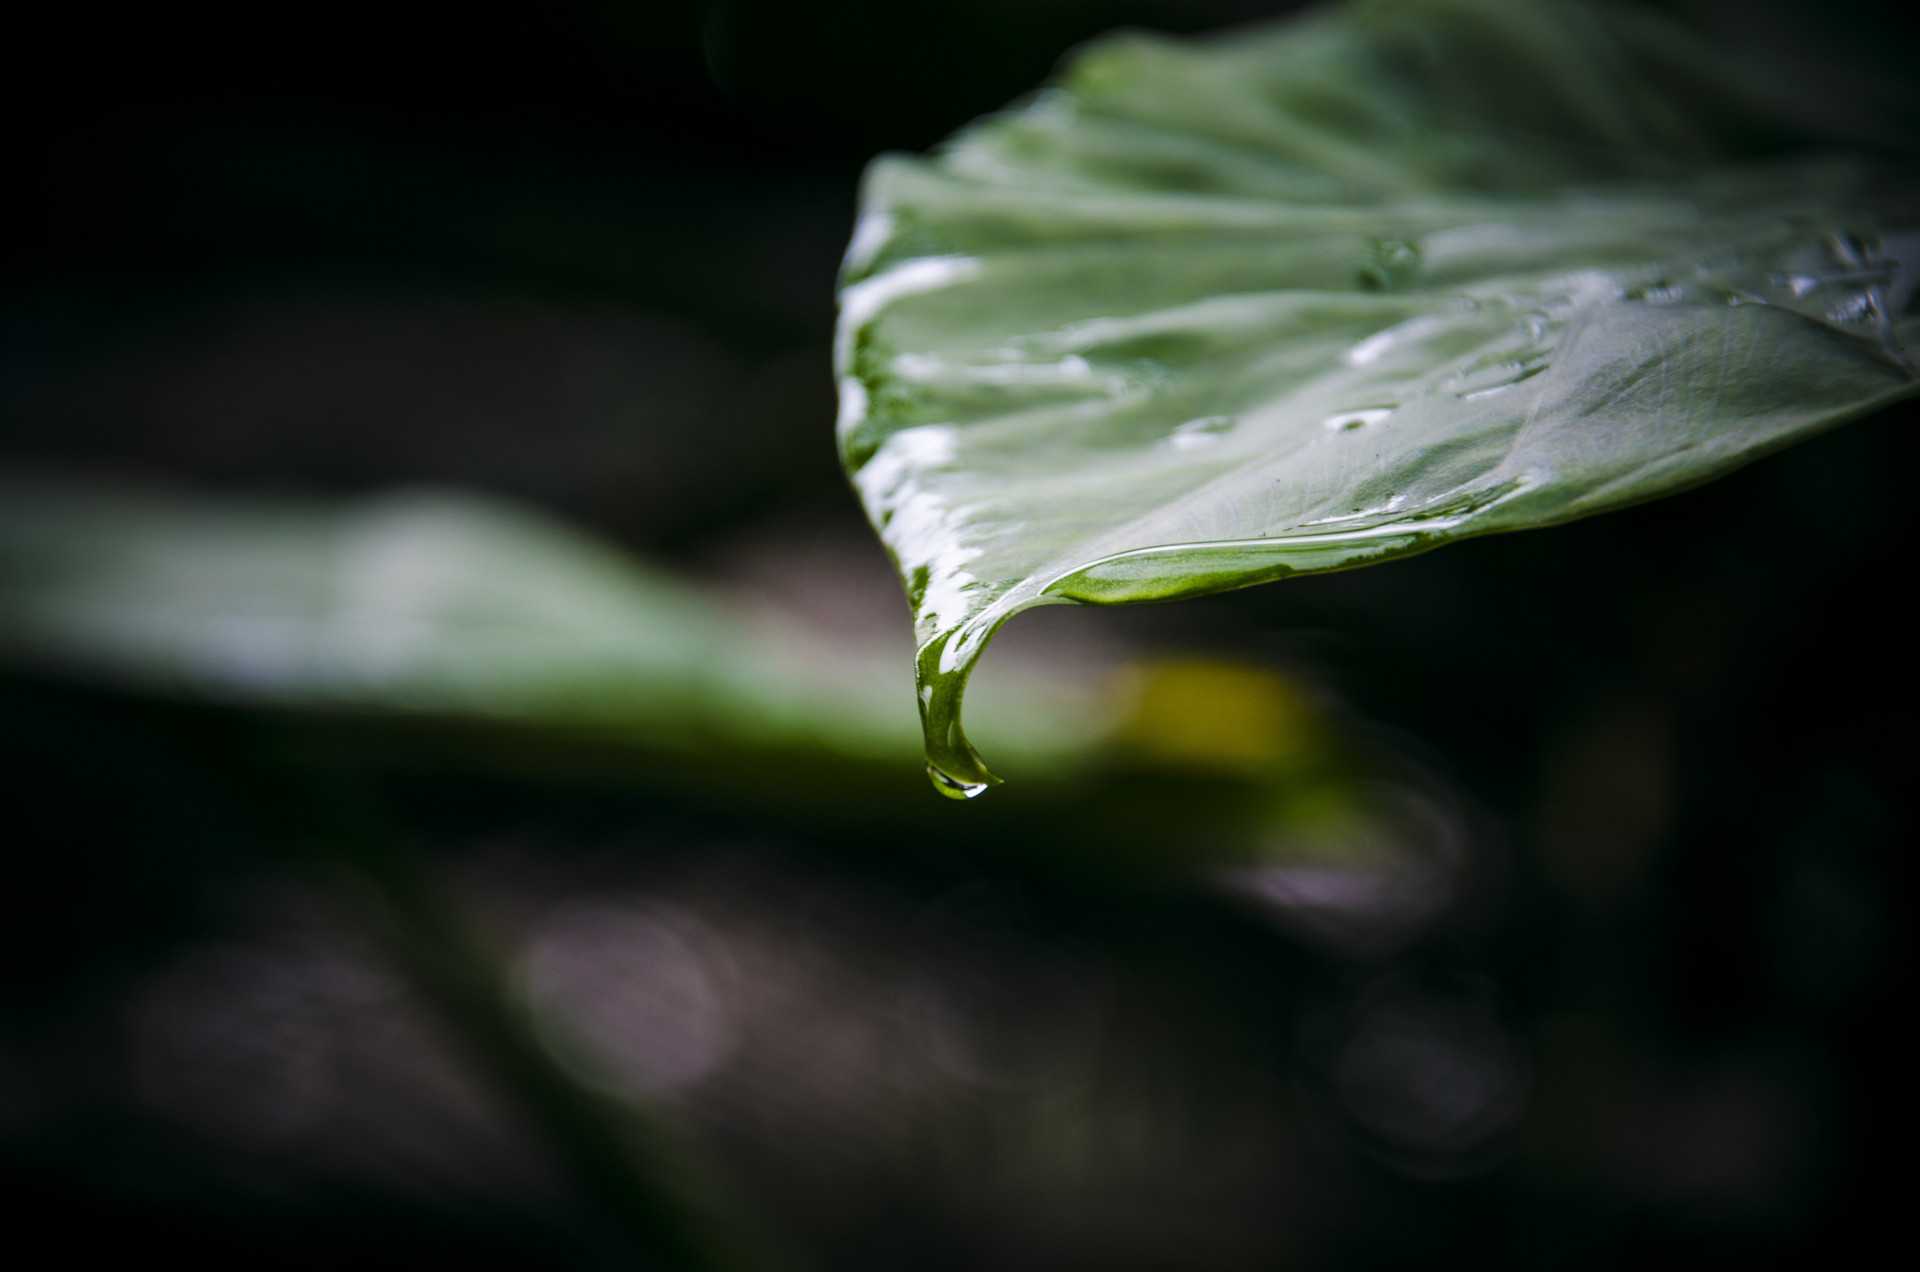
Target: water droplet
[1491, 377]
[940, 673]
[1387, 263]
[951, 786]
[1199, 432]
[1355, 419]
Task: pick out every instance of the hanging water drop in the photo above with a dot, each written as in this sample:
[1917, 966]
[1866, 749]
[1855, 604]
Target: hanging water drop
[951, 786]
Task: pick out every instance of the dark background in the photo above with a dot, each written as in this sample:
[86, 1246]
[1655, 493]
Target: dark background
[582, 255]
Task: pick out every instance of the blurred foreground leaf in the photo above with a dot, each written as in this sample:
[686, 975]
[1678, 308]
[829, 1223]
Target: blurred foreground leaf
[1302, 298]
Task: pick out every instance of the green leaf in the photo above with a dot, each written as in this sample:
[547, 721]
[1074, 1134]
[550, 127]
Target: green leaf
[1206, 314]
[451, 607]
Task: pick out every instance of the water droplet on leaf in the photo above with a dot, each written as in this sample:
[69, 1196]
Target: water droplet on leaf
[1345, 420]
[952, 787]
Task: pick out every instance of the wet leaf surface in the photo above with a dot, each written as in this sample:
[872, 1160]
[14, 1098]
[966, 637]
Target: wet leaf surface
[1307, 297]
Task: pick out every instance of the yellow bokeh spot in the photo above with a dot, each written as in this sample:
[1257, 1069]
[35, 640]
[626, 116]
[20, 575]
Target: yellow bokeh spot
[1219, 716]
